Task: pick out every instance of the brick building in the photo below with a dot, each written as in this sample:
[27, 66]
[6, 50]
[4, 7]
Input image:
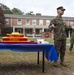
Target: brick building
[29, 24]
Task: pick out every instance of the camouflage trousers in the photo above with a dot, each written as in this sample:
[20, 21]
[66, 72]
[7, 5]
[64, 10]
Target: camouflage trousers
[71, 43]
[60, 46]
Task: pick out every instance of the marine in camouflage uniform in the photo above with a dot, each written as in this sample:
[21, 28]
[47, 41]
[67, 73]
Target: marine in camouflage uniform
[72, 40]
[59, 35]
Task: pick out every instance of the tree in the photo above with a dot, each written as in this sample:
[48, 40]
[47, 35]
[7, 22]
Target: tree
[6, 9]
[2, 18]
[17, 11]
[30, 13]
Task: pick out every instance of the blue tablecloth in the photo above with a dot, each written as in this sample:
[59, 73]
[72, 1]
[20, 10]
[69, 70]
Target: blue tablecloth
[48, 49]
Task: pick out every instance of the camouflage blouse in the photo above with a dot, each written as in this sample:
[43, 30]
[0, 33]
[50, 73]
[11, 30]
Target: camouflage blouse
[60, 30]
[72, 35]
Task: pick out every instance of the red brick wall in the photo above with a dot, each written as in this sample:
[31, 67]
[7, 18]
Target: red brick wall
[37, 21]
[14, 21]
[44, 22]
[23, 21]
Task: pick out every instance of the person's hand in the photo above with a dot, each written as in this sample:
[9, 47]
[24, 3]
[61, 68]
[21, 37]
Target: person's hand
[72, 27]
[53, 26]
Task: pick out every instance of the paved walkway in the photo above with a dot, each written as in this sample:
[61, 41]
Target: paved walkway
[68, 44]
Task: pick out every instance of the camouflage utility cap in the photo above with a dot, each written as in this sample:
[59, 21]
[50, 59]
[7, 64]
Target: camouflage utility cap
[61, 8]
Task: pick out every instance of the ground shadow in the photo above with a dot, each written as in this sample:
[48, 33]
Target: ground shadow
[25, 67]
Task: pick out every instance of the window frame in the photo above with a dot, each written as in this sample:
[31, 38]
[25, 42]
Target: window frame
[34, 20]
[48, 23]
[71, 23]
[27, 23]
[7, 21]
[19, 23]
[40, 22]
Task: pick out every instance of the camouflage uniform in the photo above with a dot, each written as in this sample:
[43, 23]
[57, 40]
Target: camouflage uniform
[59, 36]
[72, 40]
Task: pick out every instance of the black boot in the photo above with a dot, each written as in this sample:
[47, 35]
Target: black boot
[55, 64]
[70, 49]
[63, 64]
[71, 46]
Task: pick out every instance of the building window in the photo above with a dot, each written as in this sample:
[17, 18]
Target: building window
[71, 23]
[19, 21]
[40, 22]
[28, 22]
[33, 22]
[7, 21]
[47, 22]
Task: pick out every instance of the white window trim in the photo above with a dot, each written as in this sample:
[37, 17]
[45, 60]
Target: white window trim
[19, 23]
[27, 23]
[71, 23]
[47, 24]
[39, 22]
[35, 21]
[7, 22]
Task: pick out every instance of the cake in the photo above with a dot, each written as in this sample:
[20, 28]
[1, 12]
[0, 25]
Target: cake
[14, 37]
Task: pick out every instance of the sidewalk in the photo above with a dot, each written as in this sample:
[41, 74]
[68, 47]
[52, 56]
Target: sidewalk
[68, 44]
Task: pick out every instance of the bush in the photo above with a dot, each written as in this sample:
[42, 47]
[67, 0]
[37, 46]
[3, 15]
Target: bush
[6, 30]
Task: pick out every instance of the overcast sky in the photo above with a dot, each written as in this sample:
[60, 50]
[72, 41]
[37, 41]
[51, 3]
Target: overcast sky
[45, 7]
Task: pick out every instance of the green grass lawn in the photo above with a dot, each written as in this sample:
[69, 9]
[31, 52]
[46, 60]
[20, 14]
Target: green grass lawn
[25, 63]
[50, 40]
